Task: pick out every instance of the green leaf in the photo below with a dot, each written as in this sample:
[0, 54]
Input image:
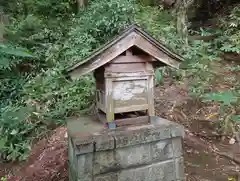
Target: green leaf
[14, 132]
[159, 76]
[2, 143]
[236, 118]
[14, 52]
[224, 97]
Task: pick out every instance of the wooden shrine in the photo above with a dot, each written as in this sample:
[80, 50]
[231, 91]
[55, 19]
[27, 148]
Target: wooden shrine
[124, 74]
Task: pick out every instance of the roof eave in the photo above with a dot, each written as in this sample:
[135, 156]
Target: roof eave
[131, 28]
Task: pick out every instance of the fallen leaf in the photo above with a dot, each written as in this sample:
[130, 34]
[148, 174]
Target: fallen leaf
[232, 141]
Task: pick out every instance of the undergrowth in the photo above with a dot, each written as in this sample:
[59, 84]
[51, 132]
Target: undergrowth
[45, 37]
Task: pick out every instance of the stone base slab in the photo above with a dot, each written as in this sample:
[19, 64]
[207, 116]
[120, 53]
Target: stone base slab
[143, 153]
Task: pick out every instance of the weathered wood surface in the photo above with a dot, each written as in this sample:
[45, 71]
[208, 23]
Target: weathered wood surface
[100, 100]
[150, 96]
[109, 100]
[126, 67]
[129, 93]
[104, 57]
[124, 72]
[155, 52]
[128, 75]
[132, 121]
[132, 37]
[136, 59]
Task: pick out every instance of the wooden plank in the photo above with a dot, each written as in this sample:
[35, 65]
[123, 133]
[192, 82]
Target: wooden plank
[126, 67]
[101, 107]
[109, 100]
[132, 121]
[131, 108]
[149, 66]
[129, 78]
[134, 58]
[102, 117]
[136, 101]
[115, 79]
[150, 95]
[128, 74]
[151, 49]
[101, 102]
[105, 57]
[150, 91]
[129, 52]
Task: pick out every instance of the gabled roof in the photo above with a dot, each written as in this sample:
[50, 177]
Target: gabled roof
[132, 36]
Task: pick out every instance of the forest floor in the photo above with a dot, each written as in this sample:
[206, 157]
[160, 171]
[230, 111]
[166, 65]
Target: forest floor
[207, 157]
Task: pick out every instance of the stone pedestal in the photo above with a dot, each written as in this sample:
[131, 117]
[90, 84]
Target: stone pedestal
[150, 152]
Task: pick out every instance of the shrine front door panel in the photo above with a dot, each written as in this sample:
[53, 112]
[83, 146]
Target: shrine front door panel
[130, 95]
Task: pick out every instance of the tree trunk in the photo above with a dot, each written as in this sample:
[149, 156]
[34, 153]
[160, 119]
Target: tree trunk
[181, 24]
[82, 3]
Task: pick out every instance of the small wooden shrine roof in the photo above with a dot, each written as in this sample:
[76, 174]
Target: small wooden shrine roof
[132, 36]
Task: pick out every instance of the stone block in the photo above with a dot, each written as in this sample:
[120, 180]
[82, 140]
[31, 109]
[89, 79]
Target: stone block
[105, 161]
[134, 136]
[163, 171]
[161, 150]
[177, 146]
[129, 139]
[107, 177]
[121, 158]
[104, 142]
[71, 153]
[155, 120]
[84, 165]
[84, 148]
[179, 168]
[150, 152]
[70, 175]
[177, 131]
[73, 174]
[86, 178]
[138, 174]
[160, 133]
[135, 155]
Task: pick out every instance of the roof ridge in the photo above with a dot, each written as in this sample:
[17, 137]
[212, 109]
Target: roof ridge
[122, 34]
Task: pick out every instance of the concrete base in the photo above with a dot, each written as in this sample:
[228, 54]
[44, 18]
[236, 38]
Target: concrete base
[150, 152]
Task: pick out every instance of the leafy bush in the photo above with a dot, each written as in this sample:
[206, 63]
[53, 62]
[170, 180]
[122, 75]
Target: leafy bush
[15, 128]
[231, 34]
[96, 25]
[49, 8]
[58, 38]
[46, 90]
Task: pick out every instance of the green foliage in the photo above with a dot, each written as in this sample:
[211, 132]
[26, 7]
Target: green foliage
[236, 118]
[203, 74]
[95, 26]
[10, 56]
[15, 128]
[45, 89]
[160, 24]
[198, 59]
[159, 76]
[230, 38]
[57, 38]
[3, 178]
[49, 8]
[225, 98]
[228, 101]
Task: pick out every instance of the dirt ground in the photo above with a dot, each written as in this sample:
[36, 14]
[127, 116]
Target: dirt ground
[207, 158]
